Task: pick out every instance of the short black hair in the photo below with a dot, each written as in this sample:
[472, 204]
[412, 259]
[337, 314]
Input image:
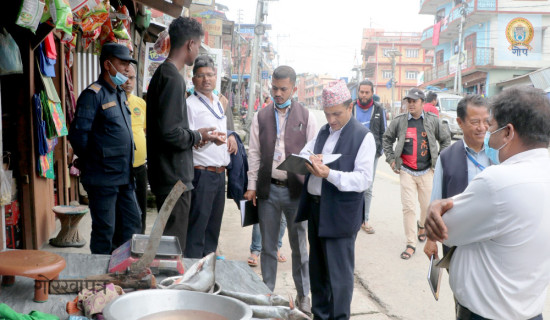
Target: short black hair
[203, 61]
[471, 99]
[431, 96]
[183, 29]
[367, 83]
[285, 72]
[527, 109]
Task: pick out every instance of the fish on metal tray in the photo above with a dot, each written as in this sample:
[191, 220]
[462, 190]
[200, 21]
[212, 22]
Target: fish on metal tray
[278, 312]
[200, 277]
[257, 299]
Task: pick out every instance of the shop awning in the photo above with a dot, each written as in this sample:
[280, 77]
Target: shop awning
[172, 8]
[235, 77]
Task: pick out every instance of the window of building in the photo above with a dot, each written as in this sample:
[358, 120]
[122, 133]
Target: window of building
[411, 75]
[429, 59]
[386, 74]
[412, 53]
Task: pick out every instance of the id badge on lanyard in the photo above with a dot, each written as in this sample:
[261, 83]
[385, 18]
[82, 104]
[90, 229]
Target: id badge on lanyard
[278, 156]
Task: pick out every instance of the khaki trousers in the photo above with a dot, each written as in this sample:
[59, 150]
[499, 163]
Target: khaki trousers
[412, 187]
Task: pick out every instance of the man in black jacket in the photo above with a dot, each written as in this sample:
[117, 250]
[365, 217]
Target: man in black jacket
[169, 140]
[371, 114]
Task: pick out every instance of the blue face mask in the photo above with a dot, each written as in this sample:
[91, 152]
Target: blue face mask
[119, 79]
[492, 154]
[282, 106]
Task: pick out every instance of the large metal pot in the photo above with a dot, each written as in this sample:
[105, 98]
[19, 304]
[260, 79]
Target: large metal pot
[135, 305]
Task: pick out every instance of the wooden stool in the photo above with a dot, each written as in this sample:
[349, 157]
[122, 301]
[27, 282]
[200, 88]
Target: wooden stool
[69, 216]
[42, 266]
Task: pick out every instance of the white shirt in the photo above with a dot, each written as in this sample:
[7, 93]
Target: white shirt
[359, 179]
[201, 117]
[501, 225]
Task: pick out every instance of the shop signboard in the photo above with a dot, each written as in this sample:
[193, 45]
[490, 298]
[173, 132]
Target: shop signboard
[152, 61]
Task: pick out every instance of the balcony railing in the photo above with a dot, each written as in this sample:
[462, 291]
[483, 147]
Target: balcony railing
[428, 33]
[480, 57]
[487, 5]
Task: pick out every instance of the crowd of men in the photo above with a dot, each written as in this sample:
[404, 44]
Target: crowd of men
[493, 219]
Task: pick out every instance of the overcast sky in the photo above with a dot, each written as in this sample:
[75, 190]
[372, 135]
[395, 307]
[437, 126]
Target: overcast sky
[322, 36]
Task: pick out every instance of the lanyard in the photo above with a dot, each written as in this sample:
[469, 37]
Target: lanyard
[208, 106]
[277, 122]
[477, 164]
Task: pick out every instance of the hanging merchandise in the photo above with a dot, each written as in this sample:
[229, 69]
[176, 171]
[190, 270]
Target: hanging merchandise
[10, 57]
[45, 166]
[122, 35]
[30, 13]
[54, 117]
[162, 45]
[47, 65]
[70, 101]
[61, 14]
[89, 14]
[41, 138]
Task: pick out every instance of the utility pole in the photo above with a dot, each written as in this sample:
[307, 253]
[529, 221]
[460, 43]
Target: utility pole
[393, 53]
[259, 30]
[458, 73]
[239, 62]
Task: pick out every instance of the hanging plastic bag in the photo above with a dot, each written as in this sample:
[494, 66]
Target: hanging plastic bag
[62, 15]
[30, 13]
[162, 45]
[10, 57]
[5, 186]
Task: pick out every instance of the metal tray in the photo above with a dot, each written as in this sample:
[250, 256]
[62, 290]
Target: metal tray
[169, 247]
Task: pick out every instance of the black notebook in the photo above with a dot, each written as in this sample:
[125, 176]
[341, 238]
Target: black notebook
[249, 213]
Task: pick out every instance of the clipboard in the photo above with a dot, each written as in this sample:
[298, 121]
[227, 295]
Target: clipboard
[297, 163]
[434, 277]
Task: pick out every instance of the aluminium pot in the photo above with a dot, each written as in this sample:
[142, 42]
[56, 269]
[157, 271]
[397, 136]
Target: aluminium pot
[136, 305]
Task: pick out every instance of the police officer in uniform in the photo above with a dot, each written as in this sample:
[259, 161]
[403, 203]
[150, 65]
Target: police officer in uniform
[101, 136]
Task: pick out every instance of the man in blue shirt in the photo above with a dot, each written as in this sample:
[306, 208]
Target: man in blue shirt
[372, 115]
[461, 162]
[101, 136]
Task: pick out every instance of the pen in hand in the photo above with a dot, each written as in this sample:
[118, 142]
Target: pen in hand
[313, 154]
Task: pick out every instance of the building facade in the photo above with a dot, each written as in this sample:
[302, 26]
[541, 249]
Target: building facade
[410, 62]
[502, 39]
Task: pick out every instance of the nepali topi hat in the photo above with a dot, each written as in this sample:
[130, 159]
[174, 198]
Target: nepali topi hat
[336, 93]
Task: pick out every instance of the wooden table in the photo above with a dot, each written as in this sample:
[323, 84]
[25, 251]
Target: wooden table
[231, 275]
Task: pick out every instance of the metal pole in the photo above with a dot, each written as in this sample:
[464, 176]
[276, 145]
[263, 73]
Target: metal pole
[393, 83]
[239, 63]
[253, 72]
[458, 74]
[460, 44]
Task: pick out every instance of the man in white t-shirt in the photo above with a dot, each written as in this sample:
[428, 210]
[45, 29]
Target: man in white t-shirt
[209, 161]
[501, 222]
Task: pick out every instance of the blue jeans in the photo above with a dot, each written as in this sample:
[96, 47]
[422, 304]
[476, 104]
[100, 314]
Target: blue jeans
[256, 245]
[368, 193]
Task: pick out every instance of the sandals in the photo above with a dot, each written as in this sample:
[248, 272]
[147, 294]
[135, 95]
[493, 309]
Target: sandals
[253, 260]
[421, 236]
[405, 255]
[367, 229]
[281, 257]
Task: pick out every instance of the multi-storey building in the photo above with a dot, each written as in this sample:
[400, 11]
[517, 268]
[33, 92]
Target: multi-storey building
[502, 39]
[410, 61]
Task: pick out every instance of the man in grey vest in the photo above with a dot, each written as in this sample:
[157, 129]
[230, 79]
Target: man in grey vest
[279, 130]
[462, 161]
[333, 201]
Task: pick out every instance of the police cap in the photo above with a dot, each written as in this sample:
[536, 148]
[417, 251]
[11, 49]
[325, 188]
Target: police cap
[116, 50]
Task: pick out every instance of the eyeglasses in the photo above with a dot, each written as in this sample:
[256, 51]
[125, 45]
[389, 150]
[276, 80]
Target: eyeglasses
[205, 75]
